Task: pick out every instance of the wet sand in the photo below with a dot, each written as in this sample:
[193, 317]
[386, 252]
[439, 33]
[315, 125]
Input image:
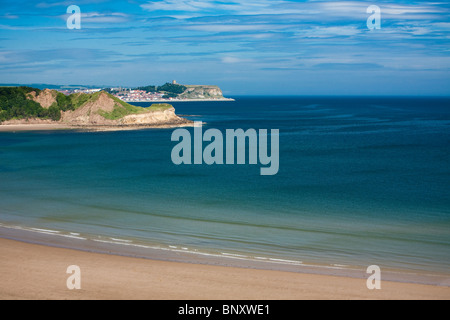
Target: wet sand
[31, 271]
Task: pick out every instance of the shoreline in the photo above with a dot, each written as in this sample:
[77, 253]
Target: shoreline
[184, 100]
[86, 128]
[33, 127]
[155, 252]
[37, 272]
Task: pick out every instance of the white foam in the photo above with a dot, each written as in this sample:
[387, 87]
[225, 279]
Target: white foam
[339, 265]
[124, 244]
[121, 240]
[234, 255]
[285, 261]
[45, 230]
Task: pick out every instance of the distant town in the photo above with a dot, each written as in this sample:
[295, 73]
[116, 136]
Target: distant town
[127, 94]
[124, 94]
[171, 91]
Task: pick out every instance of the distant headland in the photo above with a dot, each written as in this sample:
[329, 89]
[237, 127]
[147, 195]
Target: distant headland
[170, 91]
[27, 108]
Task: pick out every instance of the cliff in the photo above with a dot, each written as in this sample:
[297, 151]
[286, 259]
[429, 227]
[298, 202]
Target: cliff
[82, 110]
[180, 92]
[45, 97]
[202, 92]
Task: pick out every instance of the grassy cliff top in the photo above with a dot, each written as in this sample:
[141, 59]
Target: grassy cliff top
[122, 109]
[25, 103]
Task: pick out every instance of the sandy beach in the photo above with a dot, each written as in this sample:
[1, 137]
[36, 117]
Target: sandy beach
[34, 127]
[30, 271]
[89, 128]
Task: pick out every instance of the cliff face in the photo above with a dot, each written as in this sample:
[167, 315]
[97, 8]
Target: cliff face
[99, 109]
[160, 117]
[45, 98]
[89, 112]
[202, 92]
[106, 110]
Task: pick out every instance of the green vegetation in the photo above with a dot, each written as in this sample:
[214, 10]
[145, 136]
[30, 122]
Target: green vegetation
[78, 99]
[122, 109]
[64, 102]
[170, 90]
[15, 104]
[70, 103]
[170, 95]
[159, 107]
[148, 88]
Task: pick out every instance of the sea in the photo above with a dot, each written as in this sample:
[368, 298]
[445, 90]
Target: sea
[362, 181]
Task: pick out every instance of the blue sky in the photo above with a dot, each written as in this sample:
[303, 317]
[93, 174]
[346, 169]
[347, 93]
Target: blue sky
[275, 47]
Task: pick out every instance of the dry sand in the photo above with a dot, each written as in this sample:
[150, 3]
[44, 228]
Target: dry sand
[33, 127]
[30, 271]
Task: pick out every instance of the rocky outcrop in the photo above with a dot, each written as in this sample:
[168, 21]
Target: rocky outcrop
[89, 113]
[102, 110]
[202, 92]
[45, 98]
[95, 111]
[162, 117]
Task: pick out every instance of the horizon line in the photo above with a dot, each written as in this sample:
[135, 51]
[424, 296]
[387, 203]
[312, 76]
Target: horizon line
[325, 95]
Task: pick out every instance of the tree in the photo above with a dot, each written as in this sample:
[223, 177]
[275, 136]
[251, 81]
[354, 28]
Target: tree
[147, 88]
[172, 88]
[54, 113]
[15, 104]
[64, 102]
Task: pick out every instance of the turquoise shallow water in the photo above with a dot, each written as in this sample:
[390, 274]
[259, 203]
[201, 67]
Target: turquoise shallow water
[362, 181]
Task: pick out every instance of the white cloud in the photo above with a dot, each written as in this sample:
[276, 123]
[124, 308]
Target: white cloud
[323, 9]
[356, 8]
[325, 32]
[67, 3]
[97, 17]
[233, 27]
[242, 7]
[232, 60]
[9, 16]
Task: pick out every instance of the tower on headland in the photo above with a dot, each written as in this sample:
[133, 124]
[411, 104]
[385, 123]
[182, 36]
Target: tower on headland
[174, 82]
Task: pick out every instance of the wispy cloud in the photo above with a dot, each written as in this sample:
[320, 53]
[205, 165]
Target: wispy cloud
[98, 17]
[312, 9]
[229, 40]
[68, 54]
[66, 3]
[213, 7]
[233, 60]
[9, 16]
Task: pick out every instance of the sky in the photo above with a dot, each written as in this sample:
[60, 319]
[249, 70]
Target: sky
[247, 47]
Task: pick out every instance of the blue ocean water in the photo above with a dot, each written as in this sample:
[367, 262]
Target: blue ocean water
[362, 181]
